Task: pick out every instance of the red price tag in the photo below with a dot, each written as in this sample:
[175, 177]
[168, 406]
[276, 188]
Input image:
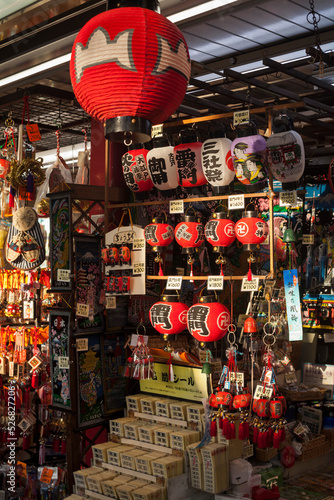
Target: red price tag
[46, 475]
[33, 132]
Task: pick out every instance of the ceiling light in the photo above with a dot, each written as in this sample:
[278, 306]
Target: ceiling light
[199, 9]
[35, 69]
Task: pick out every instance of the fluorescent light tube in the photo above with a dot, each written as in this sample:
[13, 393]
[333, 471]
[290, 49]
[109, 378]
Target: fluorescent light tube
[199, 9]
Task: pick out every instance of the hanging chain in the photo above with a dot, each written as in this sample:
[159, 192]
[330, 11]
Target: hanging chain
[313, 17]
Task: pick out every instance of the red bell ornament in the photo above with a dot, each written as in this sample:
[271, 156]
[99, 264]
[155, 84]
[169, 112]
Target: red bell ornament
[209, 320]
[189, 233]
[159, 234]
[189, 160]
[250, 325]
[220, 231]
[135, 170]
[169, 316]
[130, 67]
[251, 231]
[161, 163]
[217, 164]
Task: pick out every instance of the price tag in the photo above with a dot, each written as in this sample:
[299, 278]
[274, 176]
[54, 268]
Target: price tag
[139, 268]
[64, 363]
[21, 469]
[250, 286]
[287, 198]
[83, 310]
[11, 368]
[174, 283]
[236, 202]
[176, 207]
[157, 130]
[82, 345]
[261, 391]
[308, 239]
[33, 132]
[215, 282]
[248, 450]
[46, 475]
[240, 117]
[64, 275]
[110, 302]
[138, 244]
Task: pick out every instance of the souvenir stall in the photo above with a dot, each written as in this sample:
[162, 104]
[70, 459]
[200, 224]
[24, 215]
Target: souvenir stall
[166, 334]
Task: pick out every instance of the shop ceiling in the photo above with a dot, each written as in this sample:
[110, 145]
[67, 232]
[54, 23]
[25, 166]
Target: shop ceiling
[261, 54]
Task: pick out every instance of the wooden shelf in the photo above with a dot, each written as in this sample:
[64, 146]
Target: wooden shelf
[130, 472]
[94, 193]
[202, 278]
[149, 446]
[165, 420]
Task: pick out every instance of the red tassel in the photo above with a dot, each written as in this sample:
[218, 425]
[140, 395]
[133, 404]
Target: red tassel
[34, 380]
[261, 442]
[25, 442]
[276, 440]
[56, 444]
[255, 435]
[221, 270]
[160, 273]
[221, 422]
[213, 428]
[246, 424]
[270, 435]
[281, 434]
[242, 431]
[249, 274]
[63, 447]
[232, 430]
[225, 425]
[5, 436]
[228, 431]
[127, 371]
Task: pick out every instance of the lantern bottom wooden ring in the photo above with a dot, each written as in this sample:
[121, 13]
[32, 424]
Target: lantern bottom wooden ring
[251, 247]
[137, 129]
[222, 189]
[258, 187]
[290, 186]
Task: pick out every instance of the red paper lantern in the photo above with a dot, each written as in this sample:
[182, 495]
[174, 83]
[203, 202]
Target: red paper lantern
[189, 234]
[124, 255]
[251, 230]
[4, 167]
[276, 409]
[159, 234]
[242, 401]
[135, 170]
[209, 320]
[169, 316]
[223, 398]
[130, 67]
[263, 408]
[219, 231]
[188, 157]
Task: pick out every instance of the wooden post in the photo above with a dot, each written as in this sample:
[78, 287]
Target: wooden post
[106, 186]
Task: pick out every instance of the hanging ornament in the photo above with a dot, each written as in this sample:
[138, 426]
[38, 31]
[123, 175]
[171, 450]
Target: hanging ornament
[249, 157]
[250, 325]
[161, 163]
[289, 238]
[135, 170]
[140, 363]
[189, 233]
[169, 316]
[159, 235]
[189, 160]
[208, 320]
[130, 67]
[251, 231]
[217, 162]
[220, 233]
[286, 154]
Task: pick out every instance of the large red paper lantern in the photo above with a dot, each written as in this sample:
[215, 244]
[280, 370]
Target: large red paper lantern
[169, 316]
[218, 164]
[189, 234]
[135, 170]
[220, 231]
[209, 320]
[251, 230]
[130, 67]
[162, 164]
[189, 160]
[159, 234]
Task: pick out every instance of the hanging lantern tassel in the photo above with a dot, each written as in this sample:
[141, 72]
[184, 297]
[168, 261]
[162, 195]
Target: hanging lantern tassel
[12, 194]
[158, 259]
[128, 368]
[170, 368]
[232, 430]
[34, 380]
[250, 260]
[221, 261]
[191, 261]
[213, 427]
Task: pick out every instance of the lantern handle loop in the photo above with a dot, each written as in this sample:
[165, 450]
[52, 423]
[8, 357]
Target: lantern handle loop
[190, 208]
[128, 211]
[251, 203]
[231, 335]
[269, 340]
[271, 325]
[205, 287]
[221, 205]
[143, 327]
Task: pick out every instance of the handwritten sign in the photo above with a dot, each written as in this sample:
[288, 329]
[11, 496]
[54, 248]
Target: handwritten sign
[64, 363]
[82, 345]
[287, 198]
[176, 207]
[83, 310]
[138, 244]
[139, 268]
[308, 239]
[174, 283]
[157, 129]
[215, 282]
[236, 202]
[262, 391]
[123, 237]
[64, 275]
[250, 286]
[33, 132]
[110, 302]
[46, 475]
[240, 117]
[292, 300]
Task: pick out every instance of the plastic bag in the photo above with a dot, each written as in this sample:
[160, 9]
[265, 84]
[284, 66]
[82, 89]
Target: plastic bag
[55, 175]
[83, 168]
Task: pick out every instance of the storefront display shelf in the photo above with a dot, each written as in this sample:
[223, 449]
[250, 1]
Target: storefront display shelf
[166, 420]
[201, 278]
[130, 472]
[149, 446]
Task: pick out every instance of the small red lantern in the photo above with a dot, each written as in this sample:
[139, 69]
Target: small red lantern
[263, 408]
[250, 325]
[159, 234]
[114, 255]
[189, 160]
[189, 233]
[130, 67]
[4, 167]
[223, 398]
[251, 230]
[124, 255]
[135, 170]
[242, 401]
[276, 409]
[220, 232]
[209, 320]
[169, 316]
[105, 255]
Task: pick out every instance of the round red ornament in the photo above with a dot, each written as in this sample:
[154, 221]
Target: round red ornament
[209, 320]
[169, 316]
[250, 325]
[251, 230]
[135, 170]
[288, 456]
[124, 255]
[189, 234]
[158, 234]
[219, 231]
[130, 67]
[242, 400]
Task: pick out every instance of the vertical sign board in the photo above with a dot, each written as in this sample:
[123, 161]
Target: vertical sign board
[59, 338]
[60, 241]
[292, 299]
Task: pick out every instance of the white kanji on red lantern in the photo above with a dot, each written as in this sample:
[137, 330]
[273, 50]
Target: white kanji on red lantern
[242, 229]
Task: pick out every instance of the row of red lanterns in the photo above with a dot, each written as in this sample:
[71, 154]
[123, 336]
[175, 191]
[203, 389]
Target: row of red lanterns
[207, 321]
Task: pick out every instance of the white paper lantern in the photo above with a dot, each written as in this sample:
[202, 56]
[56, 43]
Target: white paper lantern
[217, 164]
[161, 163]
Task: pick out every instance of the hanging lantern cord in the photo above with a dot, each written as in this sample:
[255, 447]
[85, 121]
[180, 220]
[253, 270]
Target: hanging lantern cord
[84, 130]
[127, 138]
[313, 17]
[58, 134]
